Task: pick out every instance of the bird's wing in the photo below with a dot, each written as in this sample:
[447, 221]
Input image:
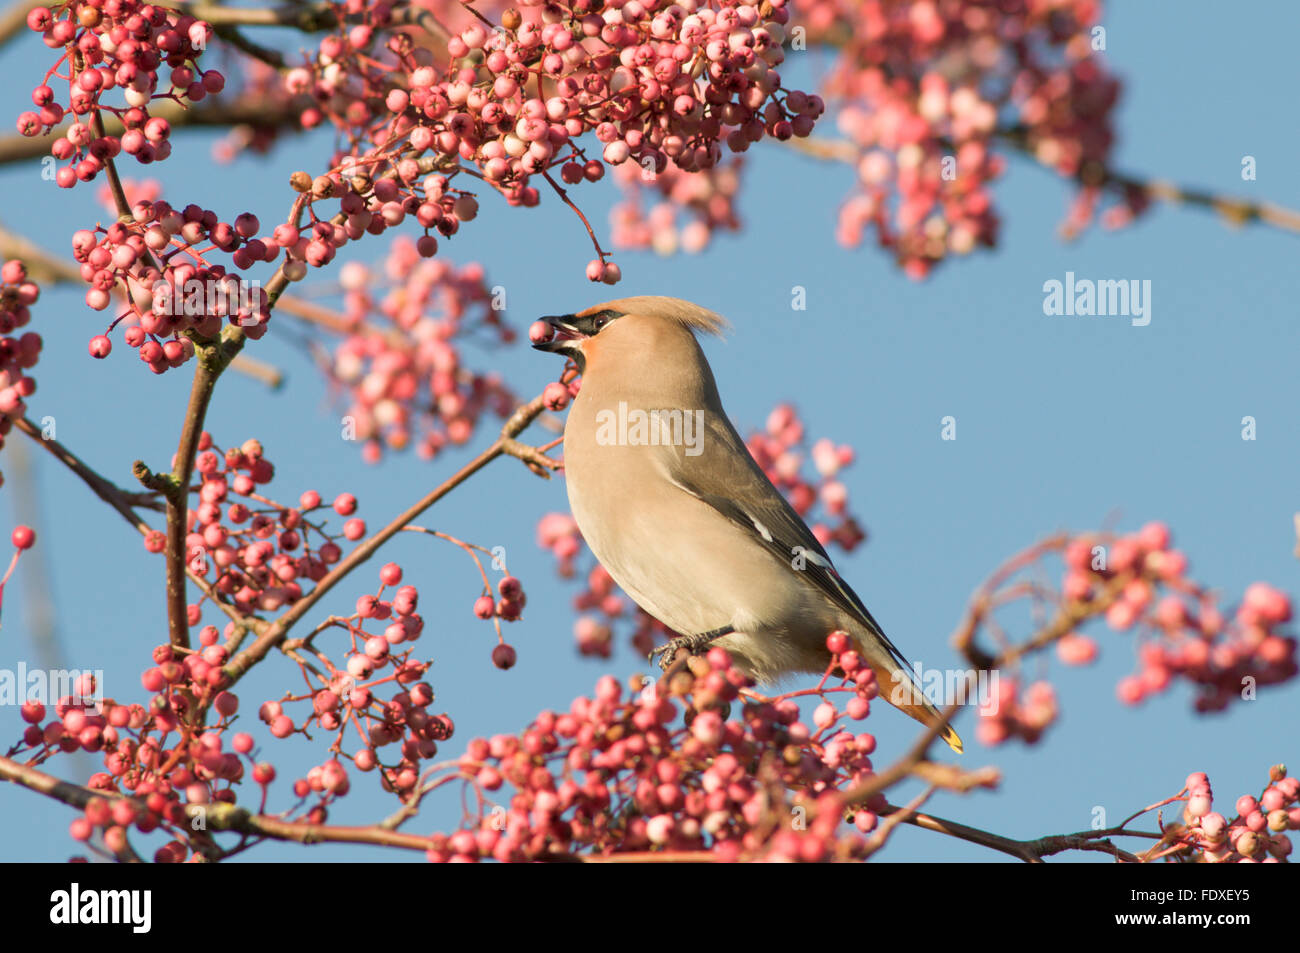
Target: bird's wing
[724, 475]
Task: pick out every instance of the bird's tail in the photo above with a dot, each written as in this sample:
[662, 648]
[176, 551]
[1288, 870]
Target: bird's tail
[899, 687]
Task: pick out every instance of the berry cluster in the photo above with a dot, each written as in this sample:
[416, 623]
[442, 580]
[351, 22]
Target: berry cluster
[662, 769]
[253, 550]
[508, 607]
[658, 88]
[1013, 715]
[344, 700]
[150, 752]
[78, 725]
[922, 88]
[1135, 582]
[667, 90]
[399, 358]
[1257, 833]
[116, 45]
[19, 354]
[172, 294]
[372, 204]
[558, 534]
[1189, 635]
[179, 750]
[781, 451]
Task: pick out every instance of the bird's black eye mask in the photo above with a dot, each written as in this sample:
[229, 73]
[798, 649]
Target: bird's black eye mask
[567, 330]
[590, 325]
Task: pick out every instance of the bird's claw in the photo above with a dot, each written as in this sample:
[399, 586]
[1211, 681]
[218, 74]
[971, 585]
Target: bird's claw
[667, 652]
[692, 643]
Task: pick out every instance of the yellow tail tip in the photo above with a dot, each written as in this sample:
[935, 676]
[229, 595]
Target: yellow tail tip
[953, 739]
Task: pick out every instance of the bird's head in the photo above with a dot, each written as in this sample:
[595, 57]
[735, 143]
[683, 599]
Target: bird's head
[635, 324]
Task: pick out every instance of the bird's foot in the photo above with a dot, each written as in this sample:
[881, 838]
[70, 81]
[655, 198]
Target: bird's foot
[693, 644]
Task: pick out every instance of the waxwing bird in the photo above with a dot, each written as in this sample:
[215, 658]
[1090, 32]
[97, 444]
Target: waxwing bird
[669, 499]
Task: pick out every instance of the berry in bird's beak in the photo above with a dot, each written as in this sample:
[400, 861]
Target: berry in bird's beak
[552, 333]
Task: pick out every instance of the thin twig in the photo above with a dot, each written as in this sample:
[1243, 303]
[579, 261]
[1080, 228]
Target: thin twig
[275, 633]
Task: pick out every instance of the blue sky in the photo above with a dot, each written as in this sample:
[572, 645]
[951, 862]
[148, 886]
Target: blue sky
[1063, 423]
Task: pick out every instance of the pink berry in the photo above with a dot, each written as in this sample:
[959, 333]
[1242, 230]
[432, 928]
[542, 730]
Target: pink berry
[1153, 537]
[1130, 690]
[503, 656]
[555, 396]
[33, 712]
[1075, 649]
[865, 821]
[719, 659]
[1214, 826]
[824, 716]
[1268, 603]
[1121, 615]
[24, 537]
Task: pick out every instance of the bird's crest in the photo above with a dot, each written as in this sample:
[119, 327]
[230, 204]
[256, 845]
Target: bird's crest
[688, 315]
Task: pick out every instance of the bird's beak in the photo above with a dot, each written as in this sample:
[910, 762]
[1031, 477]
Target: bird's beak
[564, 332]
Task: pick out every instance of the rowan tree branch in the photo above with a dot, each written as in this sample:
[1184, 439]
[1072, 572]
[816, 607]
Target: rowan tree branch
[228, 817]
[124, 503]
[1234, 210]
[249, 110]
[1030, 851]
[13, 21]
